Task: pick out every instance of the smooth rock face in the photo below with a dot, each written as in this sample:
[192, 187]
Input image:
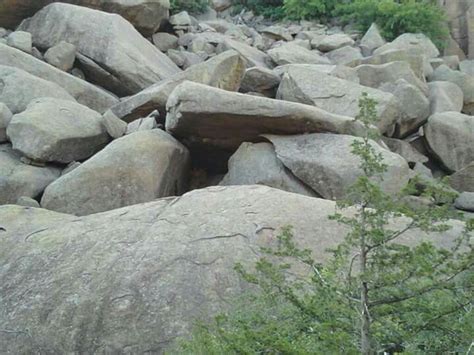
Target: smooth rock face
[62, 56]
[224, 71]
[416, 43]
[216, 117]
[326, 164]
[344, 55]
[115, 127]
[372, 40]
[20, 40]
[405, 150]
[257, 164]
[467, 67]
[5, 118]
[445, 96]
[332, 42]
[165, 41]
[339, 71]
[18, 179]
[450, 136]
[84, 92]
[52, 130]
[293, 54]
[107, 39]
[337, 96]
[154, 267]
[463, 180]
[19, 88]
[465, 201]
[253, 57]
[137, 168]
[261, 80]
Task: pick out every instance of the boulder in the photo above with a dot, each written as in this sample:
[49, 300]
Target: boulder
[224, 71]
[463, 80]
[335, 41]
[337, 96]
[52, 130]
[27, 202]
[416, 43]
[142, 124]
[371, 40]
[85, 93]
[20, 40]
[217, 117]
[467, 67]
[220, 5]
[445, 96]
[19, 88]
[465, 201]
[344, 55]
[115, 127]
[153, 268]
[62, 56]
[257, 164]
[405, 150]
[463, 180]
[290, 53]
[145, 15]
[261, 80]
[277, 33]
[5, 118]
[450, 136]
[339, 71]
[136, 168]
[106, 39]
[325, 163]
[253, 57]
[165, 41]
[18, 179]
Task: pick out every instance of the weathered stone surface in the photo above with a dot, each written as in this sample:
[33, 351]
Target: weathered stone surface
[19, 88]
[258, 164]
[145, 15]
[55, 130]
[224, 71]
[220, 5]
[155, 267]
[372, 40]
[85, 93]
[115, 127]
[344, 55]
[165, 41]
[335, 41]
[5, 118]
[467, 67]
[18, 179]
[445, 96]
[137, 168]
[20, 40]
[142, 124]
[416, 43]
[216, 117]
[463, 180]
[290, 53]
[339, 71]
[277, 33]
[450, 135]
[253, 57]
[464, 81]
[62, 56]
[405, 150]
[337, 96]
[107, 39]
[459, 14]
[260, 80]
[465, 201]
[326, 164]
[27, 202]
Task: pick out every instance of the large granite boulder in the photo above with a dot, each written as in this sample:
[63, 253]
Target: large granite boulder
[18, 88]
[5, 118]
[445, 96]
[416, 43]
[107, 40]
[52, 130]
[18, 179]
[450, 136]
[145, 15]
[290, 53]
[224, 71]
[337, 96]
[372, 40]
[257, 164]
[253, 57]
[325, 163]
[463, 180]
[139, 167]
[135, 279]
[203, 114]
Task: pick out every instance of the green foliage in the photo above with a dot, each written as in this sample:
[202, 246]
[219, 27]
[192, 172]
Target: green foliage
[397, 17]
[309, 9]
[191, 6]
[269, 8]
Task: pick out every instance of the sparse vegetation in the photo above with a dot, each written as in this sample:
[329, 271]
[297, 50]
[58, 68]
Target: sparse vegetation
[191, 6]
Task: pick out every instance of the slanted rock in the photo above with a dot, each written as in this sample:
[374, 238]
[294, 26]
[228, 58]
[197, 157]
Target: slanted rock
[136, 168]
[344, 55]
[463, 180]
[371, 40]
[20, 40]
[325, 163]
[405, 150]
[115, 127]
[339, 71]
[52, 130]
[27, 202]
[337, 96]
[85, 93]
[107, 39]
[165, 41]
[62, 56]
[253, 57]
[445, 96]
[290, 53]
[5, 118]
[18, 179]
[19, 88]
[450, 136]
[277, 33]
[467, 67]
[142, 124]
[465, 201]
[216, 117]
[260, 80]
[335, 41]
[416, 43]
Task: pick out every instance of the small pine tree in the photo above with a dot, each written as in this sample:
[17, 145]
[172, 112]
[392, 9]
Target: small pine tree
[377, 294]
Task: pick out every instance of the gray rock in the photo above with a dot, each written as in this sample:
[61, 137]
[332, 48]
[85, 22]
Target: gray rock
[190, 59]
[20, 40]
[467, 67]
[62, 56]
[337, 96]
[416, 43]
[339, 71]
[181, 19]
[405, 150]
[463, 180]
[26, 201]
[372, 40]
[136, 168]
[277, 33]
[344, 55]
[5, 118]
[165, 41]
[52, 130]
[115, 127]
[19, 88]
[326, 164]
[106, 39]
[85, 93]
[450, 136]
[141, 124]
[70, 167]
[290, 53]
[260, 80]
[253, 57]
[18, 179]
[258, 164]
[217, 117]
[422, 170]
[445, 96]
[465, 201]
[224, 71]
[335, 41]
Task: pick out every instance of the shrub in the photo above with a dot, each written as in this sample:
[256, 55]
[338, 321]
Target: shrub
[191, 6]
[309, 9]
[268, 8]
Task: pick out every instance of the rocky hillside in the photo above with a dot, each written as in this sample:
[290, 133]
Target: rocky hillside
[132, 144]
